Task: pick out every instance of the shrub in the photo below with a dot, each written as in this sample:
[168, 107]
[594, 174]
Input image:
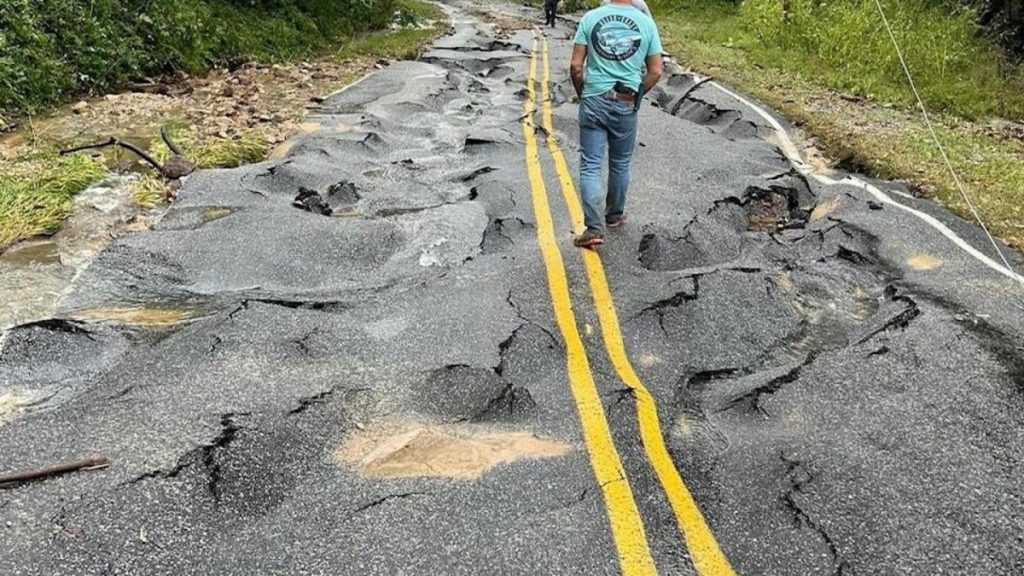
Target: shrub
[51, 47]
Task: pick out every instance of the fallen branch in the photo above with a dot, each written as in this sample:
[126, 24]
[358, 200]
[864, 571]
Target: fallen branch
[170, 143]
[67, 151]
[48, 472]
[177, 166]
[115, 142]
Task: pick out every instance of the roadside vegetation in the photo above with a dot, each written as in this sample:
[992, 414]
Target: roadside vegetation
[830, 67]
[49, 48]
[264, 65]
[37, 193]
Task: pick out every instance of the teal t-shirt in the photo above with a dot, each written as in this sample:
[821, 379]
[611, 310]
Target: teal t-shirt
[619, 38]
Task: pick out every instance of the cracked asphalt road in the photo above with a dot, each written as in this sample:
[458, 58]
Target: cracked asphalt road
[839, 386]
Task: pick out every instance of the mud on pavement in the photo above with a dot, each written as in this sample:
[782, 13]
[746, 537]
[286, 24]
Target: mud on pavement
[274, 369]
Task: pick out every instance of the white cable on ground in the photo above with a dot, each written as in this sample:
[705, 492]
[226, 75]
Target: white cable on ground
[935, 137]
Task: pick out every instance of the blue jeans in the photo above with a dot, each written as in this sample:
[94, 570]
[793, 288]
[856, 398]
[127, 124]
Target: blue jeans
[605, 125]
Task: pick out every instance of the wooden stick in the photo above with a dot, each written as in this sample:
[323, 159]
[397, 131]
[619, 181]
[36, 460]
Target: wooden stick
[115, 142]
[67, 151]
[170, 144]
[41, 473]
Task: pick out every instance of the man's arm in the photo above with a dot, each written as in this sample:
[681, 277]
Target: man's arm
[655, 64]
[655, 60]
[579, 55]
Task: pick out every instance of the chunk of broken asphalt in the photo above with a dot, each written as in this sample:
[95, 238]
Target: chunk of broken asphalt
[311, 201]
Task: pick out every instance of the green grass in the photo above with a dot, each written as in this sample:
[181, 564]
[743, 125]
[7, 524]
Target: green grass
[423, 22]
[37, 199]
[843, 46]
[882, 134]
[148, 191]
[246, 148]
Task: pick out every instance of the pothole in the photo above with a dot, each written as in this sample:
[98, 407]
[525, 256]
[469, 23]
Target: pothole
[786, 202]
[460, 453]
[775, 208]
[341, 197]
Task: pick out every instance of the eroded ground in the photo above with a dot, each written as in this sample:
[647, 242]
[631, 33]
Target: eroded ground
[344, 360]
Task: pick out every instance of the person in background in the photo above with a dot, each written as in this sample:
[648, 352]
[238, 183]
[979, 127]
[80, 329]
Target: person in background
[613, 45]
[638, 4]
[550, 11]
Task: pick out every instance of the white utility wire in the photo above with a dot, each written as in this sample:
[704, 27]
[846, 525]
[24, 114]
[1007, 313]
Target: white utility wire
[935, 137]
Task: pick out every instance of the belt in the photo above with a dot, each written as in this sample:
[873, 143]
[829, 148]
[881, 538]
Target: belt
[624, 98]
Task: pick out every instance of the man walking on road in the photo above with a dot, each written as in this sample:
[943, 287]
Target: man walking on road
[613, 44]
[550, 11]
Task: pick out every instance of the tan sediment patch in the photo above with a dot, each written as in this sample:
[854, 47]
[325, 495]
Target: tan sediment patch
[462, 453]
[924, 262]
[818, 161]
[211, 214]
[648, 360]
[682, 426]
[138, 316]
[10, 404]
[864, 308]
[346, 214]
[281, 150]
[304, 128]
[825, 208]
[784, 282]
[301, 129]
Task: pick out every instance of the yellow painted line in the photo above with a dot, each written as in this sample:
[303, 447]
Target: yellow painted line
[623, 515]
[707, 557]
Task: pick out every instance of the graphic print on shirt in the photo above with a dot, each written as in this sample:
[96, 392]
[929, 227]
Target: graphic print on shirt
[616, 37]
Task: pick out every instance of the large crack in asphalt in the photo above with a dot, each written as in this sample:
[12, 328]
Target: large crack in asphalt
[835, 276]
[462, 393]
[799, 477]
[376, 272]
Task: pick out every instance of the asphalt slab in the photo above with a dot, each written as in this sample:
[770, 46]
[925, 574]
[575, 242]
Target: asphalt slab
[345, 360]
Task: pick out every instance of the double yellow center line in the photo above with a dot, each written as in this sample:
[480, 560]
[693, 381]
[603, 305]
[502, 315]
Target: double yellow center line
[624, 516]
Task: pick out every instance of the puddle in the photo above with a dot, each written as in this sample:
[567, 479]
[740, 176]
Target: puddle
[32, 280]
[923, 262]
[461, 453]
[137, 316]
[36, 274]
[44, 252]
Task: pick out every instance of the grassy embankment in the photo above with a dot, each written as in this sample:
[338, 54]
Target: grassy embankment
[44, 61]
[832, 70]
